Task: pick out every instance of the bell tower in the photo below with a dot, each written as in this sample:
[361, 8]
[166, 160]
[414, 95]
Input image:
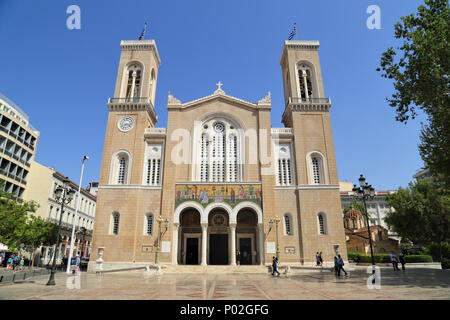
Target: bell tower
[307, 113]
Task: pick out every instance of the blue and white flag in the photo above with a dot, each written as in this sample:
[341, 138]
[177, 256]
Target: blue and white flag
[293, 32]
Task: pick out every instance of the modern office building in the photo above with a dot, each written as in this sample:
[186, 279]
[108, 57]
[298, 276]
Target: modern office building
[18, 142]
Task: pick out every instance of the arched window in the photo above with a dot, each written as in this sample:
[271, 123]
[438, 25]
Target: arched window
[148, 224]
[317, 169]
[152, 84]
[115, 217]
[134, 73]
[322, 223]
[284, 165]
[120, 167]
[305, 81]
[288, 224]
[218, 150]
[154, 154]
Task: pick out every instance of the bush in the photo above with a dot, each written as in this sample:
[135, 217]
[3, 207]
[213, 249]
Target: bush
[354, 256]
[418, 258]
[379, 258]
[445, 263]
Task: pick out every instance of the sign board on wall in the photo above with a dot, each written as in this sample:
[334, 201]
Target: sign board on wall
[270, 247]
[165, 246]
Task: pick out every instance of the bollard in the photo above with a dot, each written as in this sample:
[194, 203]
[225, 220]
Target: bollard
[24, 275]
[14, 276]
[1, 278]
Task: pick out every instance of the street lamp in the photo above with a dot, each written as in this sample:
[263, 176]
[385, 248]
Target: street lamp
[158, 248]
[77, 201]
[365, 192]
[63, 194]
[276, 219]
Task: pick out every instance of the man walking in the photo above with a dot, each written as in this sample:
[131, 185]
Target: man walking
[394, 262]
[320, 258]
[275, 266]
[341, 265]
[402, 260]
[336, 266]
[15, 262]
[317, 259]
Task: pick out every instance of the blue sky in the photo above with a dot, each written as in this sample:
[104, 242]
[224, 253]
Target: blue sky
[62, 78]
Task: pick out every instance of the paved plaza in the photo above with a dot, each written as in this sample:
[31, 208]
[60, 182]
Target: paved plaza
[311, 285]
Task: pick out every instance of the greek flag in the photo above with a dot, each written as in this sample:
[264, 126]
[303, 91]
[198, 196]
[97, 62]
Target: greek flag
[143, 32]
[293, 32]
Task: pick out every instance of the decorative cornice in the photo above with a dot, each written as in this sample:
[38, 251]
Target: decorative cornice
[142, 187]
[171, 100]
[218, 183]
[317, 186]
[140, 45]
[299, 45]
[134, 106]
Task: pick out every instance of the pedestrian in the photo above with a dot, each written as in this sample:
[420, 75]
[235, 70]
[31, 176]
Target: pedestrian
[1, 260]
[320, 258]
[21, 263]
[77, 265]
[341, 265]
[15, 262]
[275, 266]
[9, 263]
[336, 266]
[238, 258]
[317, 259]
[401, 257]
[394, 262]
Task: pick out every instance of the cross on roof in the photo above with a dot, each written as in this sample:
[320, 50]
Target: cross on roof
[219, 85]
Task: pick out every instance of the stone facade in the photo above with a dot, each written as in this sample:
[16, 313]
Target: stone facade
[218, 179]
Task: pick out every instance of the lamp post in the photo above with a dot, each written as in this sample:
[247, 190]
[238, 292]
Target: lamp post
[158, 248]
[276, 219]
[77, 201]
[364, 192]
[63, 194]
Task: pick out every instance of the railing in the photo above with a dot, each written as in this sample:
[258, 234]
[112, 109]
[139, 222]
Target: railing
[296, 100]
[18, 138]
[281, 131]
[10, 154]
[156, 131]
[130, 100]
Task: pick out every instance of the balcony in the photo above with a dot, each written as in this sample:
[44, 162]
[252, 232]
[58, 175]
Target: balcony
[133, 104]
[283, 131]
[308, 104]
[296, 100]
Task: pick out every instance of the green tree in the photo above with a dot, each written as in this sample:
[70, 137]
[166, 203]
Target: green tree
[39, 232]
[422, 213]
[13, 219]
[421, 80]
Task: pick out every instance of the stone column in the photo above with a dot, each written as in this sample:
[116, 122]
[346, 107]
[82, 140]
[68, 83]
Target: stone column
[175, 244]
[233, 243]
[261, 243]
[204, 239]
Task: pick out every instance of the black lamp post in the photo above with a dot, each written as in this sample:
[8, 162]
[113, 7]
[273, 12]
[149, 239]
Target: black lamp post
[364, 192]
[63, 194]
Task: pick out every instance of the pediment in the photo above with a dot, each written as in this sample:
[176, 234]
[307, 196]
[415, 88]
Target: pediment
[219, 94]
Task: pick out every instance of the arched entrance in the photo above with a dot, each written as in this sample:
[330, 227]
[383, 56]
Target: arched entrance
[191, 235]
[246, 236]
[218, 225]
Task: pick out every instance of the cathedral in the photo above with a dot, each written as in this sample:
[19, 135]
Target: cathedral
[219, 185]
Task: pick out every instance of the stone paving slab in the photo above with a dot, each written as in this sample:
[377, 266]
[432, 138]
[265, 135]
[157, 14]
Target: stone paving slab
[137, 285]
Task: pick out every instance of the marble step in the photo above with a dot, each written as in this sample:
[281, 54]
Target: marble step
[214, 269]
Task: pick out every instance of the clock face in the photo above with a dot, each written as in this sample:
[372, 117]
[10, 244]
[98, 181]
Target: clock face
[126, 123]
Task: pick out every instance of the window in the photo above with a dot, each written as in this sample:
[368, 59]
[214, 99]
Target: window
[115, 223]
[148, 226]
[153, 174]
[218, 150]
[316, 170]
[134, 81]
[322, 223]
[284, 166]
[120, 167]
[287, 224]
[122, 170]
[305, 81]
